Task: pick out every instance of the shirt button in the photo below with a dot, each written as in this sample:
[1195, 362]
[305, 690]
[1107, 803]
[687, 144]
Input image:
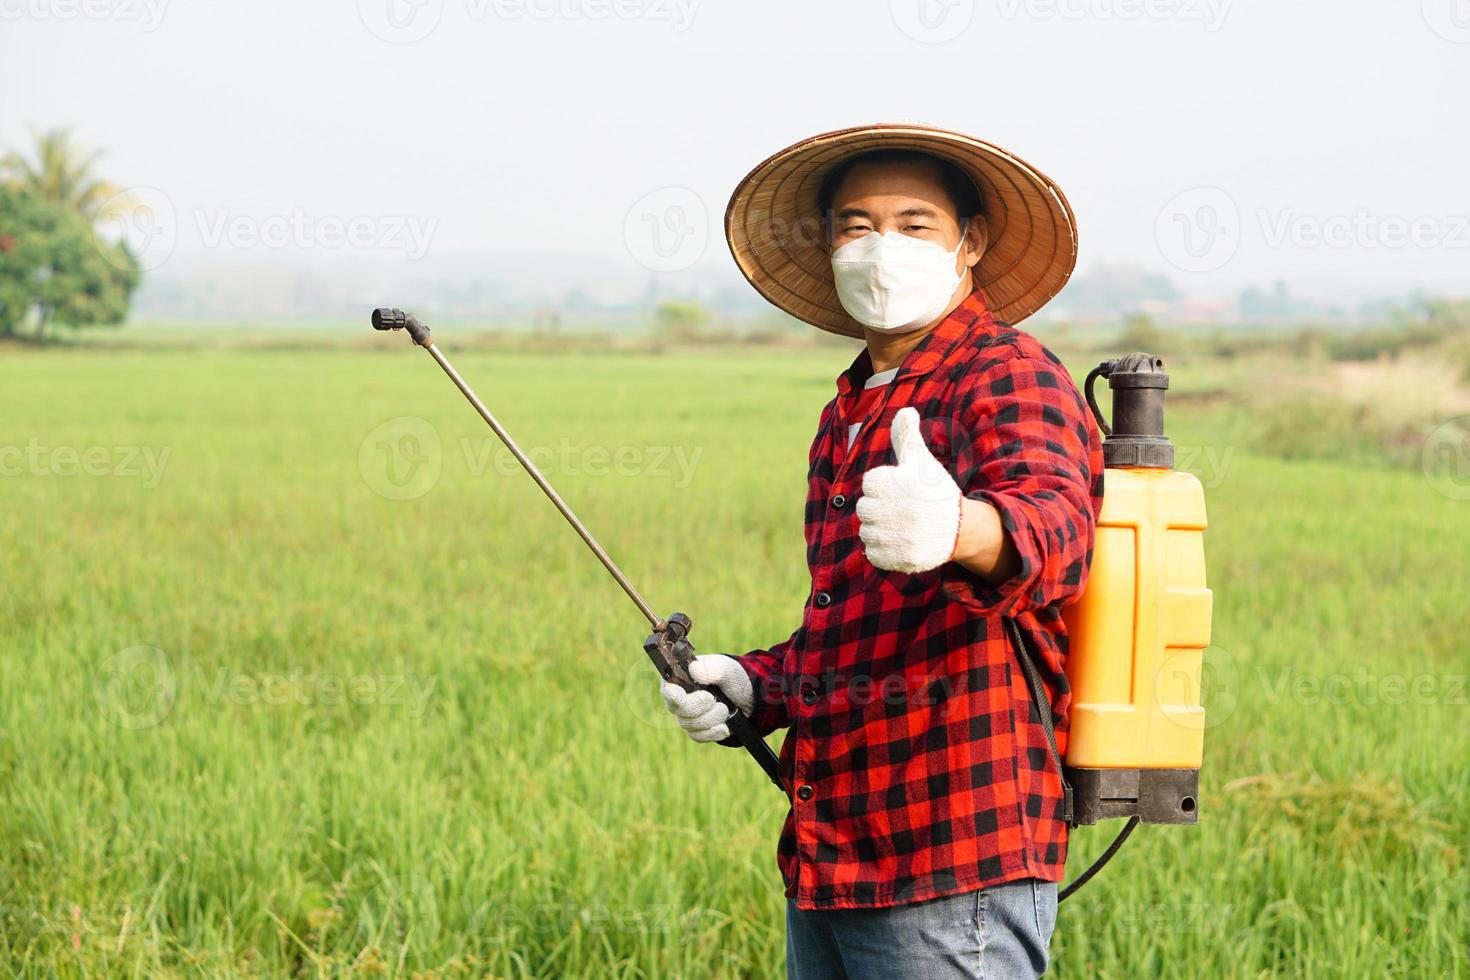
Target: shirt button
[839, 501]
[808, 694]
[805, 792]
[823, 600]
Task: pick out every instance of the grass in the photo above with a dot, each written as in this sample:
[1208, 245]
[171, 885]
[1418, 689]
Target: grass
[257, 718]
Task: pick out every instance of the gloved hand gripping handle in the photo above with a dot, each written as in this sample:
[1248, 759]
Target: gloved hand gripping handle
[672, 653]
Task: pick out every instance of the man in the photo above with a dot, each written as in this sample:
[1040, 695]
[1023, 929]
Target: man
[954, 485]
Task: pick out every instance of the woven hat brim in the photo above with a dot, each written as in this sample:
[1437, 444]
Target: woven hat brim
[776, 235]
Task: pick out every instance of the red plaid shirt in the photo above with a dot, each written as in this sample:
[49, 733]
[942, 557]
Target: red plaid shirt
[918, 765]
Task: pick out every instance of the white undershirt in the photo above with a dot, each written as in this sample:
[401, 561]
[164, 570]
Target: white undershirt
[876, 381]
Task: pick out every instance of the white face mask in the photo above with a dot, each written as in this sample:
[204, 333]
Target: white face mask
[895, 283]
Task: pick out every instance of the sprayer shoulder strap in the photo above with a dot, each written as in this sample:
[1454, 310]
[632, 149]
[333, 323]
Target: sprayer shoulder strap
[1043, 709]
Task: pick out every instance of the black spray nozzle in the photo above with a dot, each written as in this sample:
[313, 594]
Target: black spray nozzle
[1136, 437]
[386, 318]
[678, 626]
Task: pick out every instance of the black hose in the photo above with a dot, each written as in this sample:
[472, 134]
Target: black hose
[1102, 370]
[1102, 859]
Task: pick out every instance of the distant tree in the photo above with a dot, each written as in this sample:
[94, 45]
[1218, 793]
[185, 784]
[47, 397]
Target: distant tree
[773, 324]
[1308, 343]
[1140, 334]
[546, 317]
[681, 319]
[55, 270]
[1109, 290]
[1276, 303]
[1447, 316]
[61, 173]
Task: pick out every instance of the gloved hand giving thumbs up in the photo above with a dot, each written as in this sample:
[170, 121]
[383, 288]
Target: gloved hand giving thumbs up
[909, 512]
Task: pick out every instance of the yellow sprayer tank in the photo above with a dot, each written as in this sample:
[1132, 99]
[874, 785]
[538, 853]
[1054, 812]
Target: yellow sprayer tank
[1138, 632]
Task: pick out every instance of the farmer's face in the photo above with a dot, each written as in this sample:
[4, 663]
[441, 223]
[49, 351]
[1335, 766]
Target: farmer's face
[908, 198]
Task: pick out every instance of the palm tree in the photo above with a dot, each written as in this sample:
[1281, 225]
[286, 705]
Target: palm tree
[62, 174]
[49, 210]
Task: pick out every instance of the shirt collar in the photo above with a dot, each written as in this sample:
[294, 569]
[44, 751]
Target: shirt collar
[969, 321]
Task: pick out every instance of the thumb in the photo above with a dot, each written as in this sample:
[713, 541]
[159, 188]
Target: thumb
[908, 441]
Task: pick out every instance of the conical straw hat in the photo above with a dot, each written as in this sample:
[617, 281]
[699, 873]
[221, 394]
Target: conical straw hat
[776, 232]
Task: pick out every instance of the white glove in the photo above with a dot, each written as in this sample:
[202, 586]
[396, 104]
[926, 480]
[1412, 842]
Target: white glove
[909, 513]
[699, 714]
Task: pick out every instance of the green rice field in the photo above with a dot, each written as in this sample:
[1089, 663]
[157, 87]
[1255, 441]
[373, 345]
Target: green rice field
[299, 676]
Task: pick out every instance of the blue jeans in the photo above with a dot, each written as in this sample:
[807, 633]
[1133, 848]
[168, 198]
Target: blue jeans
[1000, 932]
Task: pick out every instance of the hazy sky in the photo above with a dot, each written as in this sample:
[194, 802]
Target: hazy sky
[1321, 141]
